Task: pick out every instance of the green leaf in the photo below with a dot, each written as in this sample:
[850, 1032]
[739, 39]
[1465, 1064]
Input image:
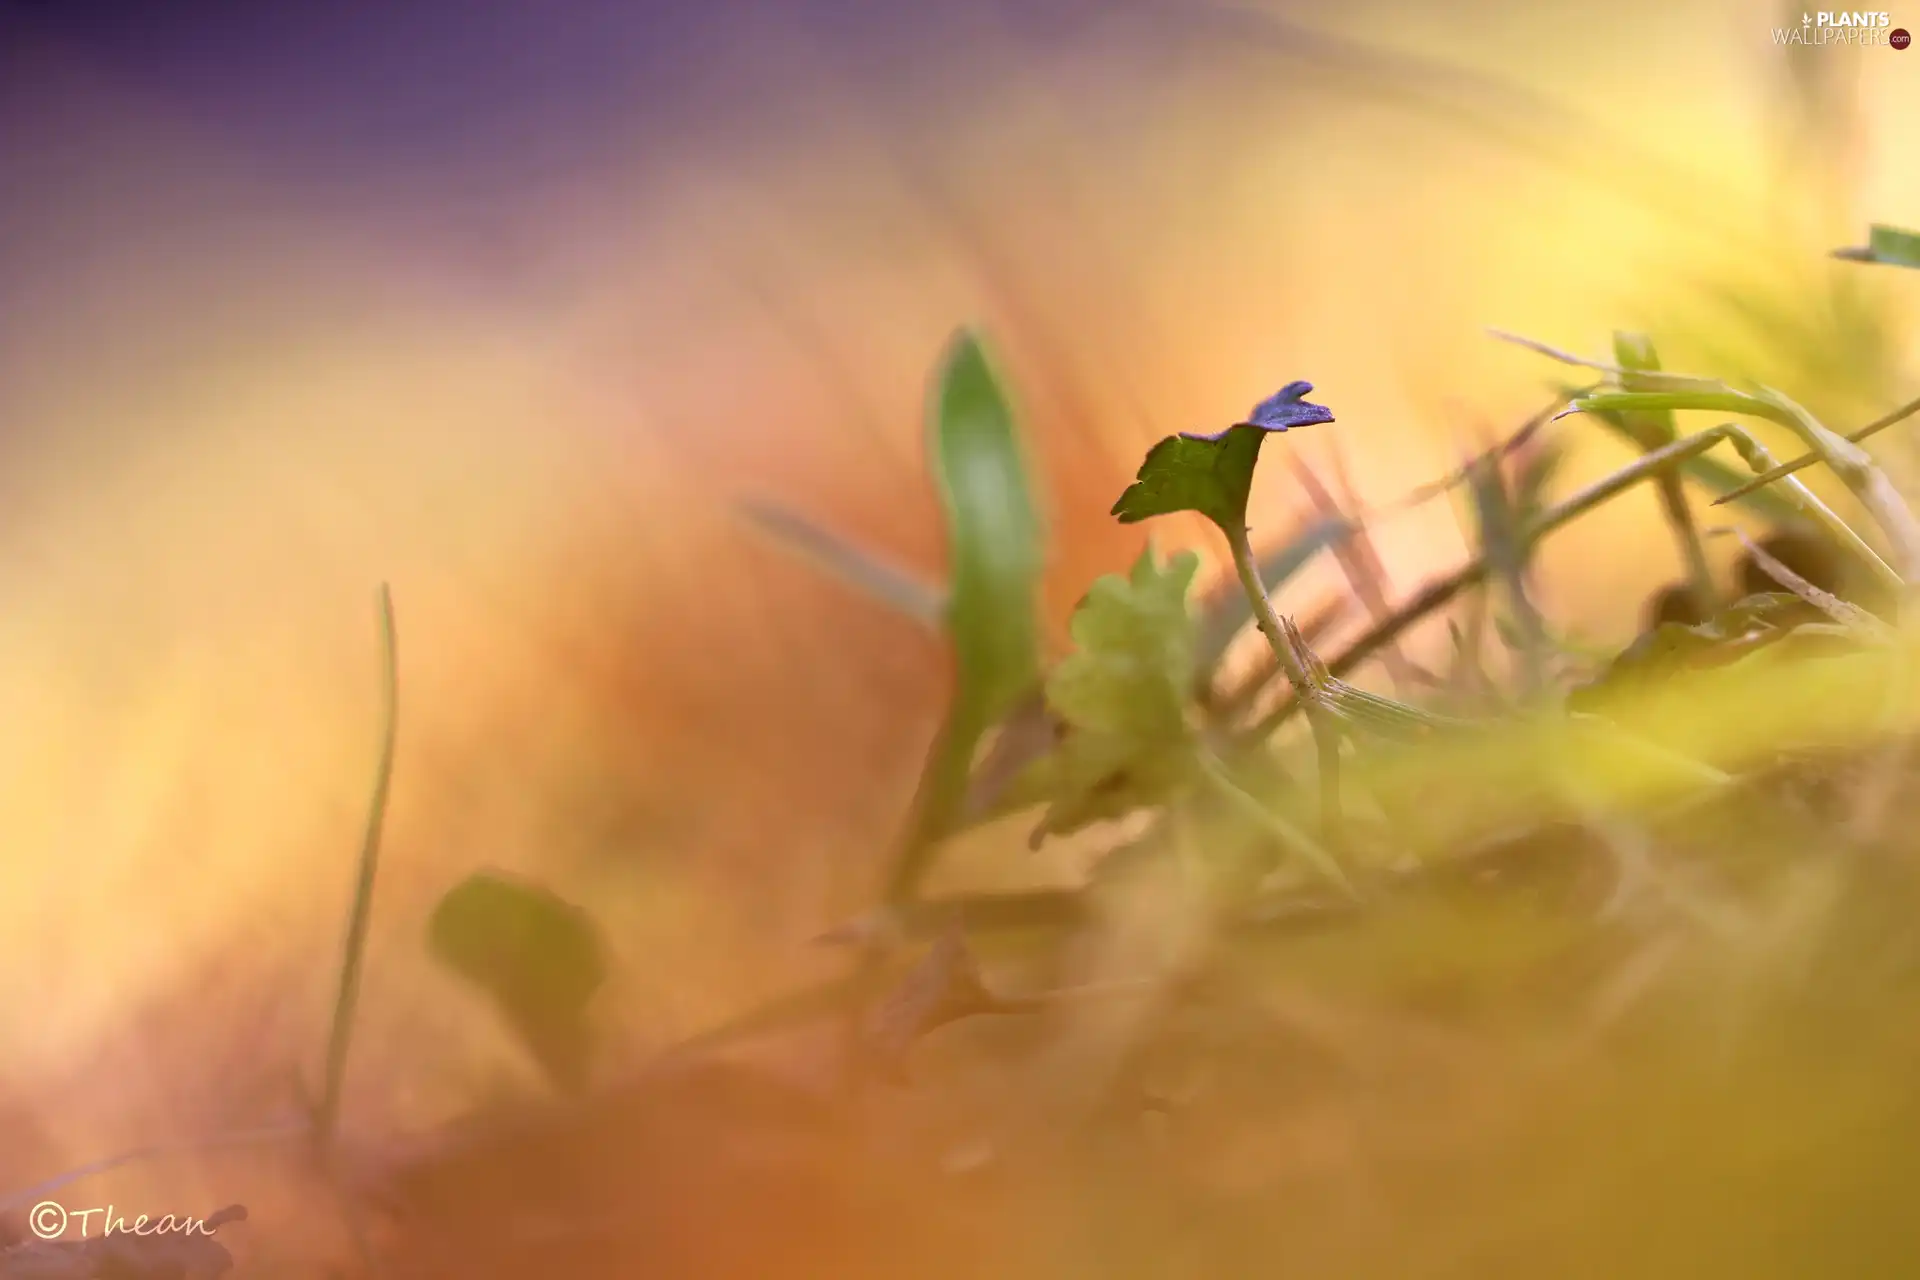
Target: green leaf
[1650, 429]
[1213, 474]
[996, 555]
[1123, 697]
[538, 957]
[1889, 246]
[994, 532]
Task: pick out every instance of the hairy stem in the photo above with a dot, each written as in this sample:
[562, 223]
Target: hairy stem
[1326, 734]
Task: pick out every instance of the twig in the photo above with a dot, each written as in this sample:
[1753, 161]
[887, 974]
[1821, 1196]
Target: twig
[341, 1035]
[1454, 479]
[1848, 615]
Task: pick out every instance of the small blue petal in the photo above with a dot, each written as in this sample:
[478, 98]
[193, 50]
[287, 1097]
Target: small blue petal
[1283, 409]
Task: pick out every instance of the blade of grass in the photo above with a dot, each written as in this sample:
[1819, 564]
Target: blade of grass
[1708, 473]
[1868, 483]
[1636, 355]
[1461, 475]
[1801, 463]
[1283, 832]
[339, 1038]
[1887, 246]
[1504, 546]
[887, 583]
[995, 537]
[1358, 558]
[1774, 408]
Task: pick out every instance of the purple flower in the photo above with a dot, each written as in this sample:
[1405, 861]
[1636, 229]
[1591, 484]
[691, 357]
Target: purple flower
[1283, 409]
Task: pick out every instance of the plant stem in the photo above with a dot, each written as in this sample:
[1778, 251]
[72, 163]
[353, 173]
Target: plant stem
[1295, 841]
[356, 945]
[1439, 593]
[1801, 463]
[1326, 734]
[1693, 552]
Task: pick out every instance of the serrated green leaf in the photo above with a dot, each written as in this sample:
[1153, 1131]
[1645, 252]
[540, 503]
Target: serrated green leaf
[1888, 246]
[539, 958]
[1213, 474]
[994, 531]
[1122, 697]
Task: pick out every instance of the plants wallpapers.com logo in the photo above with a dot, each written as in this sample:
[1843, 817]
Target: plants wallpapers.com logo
[1826, 27]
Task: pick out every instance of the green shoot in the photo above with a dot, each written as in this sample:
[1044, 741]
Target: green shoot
[995, 543]
[1213, 475]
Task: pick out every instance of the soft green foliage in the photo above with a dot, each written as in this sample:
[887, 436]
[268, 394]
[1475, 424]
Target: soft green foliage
[1186, 473]
[1653, 428]
[537, 956]
[995, 536]
[1889, 246]
[1736, 631]
[996, 553]
[1122, 697]
[1127, 729]
[1710, 474]
[1848, 459]
[1213, 474]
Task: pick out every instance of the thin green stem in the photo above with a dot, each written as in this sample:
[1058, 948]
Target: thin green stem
[1693, 551]
[1850, 464]
[349, 991]
[939, 800]
[1868, 483]
[1293, 839]
[1326, 734]
[1801, 463]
